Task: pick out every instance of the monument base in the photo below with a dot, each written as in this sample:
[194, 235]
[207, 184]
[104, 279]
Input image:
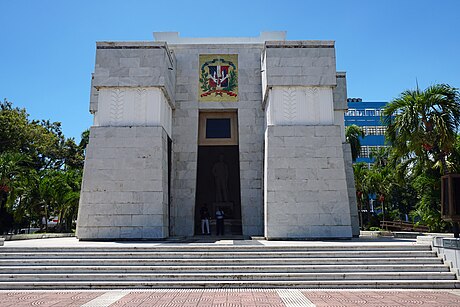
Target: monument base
[305, 187]
[125, 183]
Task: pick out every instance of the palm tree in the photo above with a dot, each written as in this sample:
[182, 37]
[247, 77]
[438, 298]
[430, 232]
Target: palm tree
[424, 122]
[60, 193]
[360, 172]
[422, 128]
[380, 156]
[379, 182]
[352, 135]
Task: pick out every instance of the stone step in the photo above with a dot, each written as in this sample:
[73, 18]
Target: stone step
[225, 266]
[228, 261]
[205, 247]
[225, 269]
[313, 284]
[229, 276]
[221, 255]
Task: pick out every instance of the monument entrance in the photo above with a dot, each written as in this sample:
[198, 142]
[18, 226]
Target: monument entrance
[218, 171]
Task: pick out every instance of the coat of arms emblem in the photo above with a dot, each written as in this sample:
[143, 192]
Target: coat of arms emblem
[218, 77]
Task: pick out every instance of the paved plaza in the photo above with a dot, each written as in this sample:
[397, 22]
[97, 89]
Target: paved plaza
[231, 297]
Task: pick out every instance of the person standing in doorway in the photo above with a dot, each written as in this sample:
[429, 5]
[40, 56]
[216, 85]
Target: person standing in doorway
[220, 221]
[204, 214]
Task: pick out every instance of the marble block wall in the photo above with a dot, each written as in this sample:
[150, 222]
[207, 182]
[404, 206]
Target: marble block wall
[340, 102]
[298, 63]
[124, 193]
[134, 64]
[125, 183]
[305, 183]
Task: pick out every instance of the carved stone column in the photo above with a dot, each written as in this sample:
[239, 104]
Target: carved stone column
[305, 184]
[125, 183]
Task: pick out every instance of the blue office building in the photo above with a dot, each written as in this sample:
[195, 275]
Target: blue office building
[367, 115]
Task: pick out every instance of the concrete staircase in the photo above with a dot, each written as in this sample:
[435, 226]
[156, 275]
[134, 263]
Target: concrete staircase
[225, 266]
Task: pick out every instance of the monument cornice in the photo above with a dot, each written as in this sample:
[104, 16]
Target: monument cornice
[300, 44]
[135, 45]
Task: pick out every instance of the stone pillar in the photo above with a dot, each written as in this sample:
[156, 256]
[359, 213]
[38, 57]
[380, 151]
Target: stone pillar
[340, 107]
[305, 184]
[351, 189]
[125, 183]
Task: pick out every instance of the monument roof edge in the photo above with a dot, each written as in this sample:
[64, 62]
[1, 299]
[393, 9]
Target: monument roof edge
[300, 44]
[174, 39]
[217, 46]
[130, 44]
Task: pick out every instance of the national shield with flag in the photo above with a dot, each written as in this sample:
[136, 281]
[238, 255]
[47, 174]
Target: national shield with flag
[219, 78]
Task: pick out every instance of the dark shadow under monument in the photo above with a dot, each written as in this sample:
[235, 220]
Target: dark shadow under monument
[218, 185]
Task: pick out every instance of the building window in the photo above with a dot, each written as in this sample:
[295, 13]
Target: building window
[371, 130]
[218, 128]
[374, 130]
[350, 112]
[370, 112]
[364, 152]
[381, 130]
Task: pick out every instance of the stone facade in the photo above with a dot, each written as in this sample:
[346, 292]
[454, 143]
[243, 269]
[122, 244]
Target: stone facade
[125, 184]
[250, 126]
[305, 198]
[291, 100]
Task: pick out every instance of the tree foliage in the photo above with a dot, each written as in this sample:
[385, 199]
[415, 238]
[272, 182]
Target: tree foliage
[423, 124]
[353, 133]
[40, 171]
[422, 131]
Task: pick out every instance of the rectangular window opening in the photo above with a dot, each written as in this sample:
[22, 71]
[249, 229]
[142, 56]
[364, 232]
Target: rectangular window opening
[218, 128]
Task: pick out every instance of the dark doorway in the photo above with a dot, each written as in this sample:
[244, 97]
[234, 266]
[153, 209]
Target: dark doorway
[218, 185]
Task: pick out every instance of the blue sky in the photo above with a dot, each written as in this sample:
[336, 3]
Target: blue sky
[47, 49]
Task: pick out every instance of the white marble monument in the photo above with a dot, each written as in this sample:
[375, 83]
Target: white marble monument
[167, 111]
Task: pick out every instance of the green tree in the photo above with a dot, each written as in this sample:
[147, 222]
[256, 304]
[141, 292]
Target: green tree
[424, 123]
[353, 134]
[380, 156]
[379, 182]
[422, 130]
[454, 157]
[11, 167]
[41, 141]
[24, 203]
[360, 172]
[84, 139]
[40, 170]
